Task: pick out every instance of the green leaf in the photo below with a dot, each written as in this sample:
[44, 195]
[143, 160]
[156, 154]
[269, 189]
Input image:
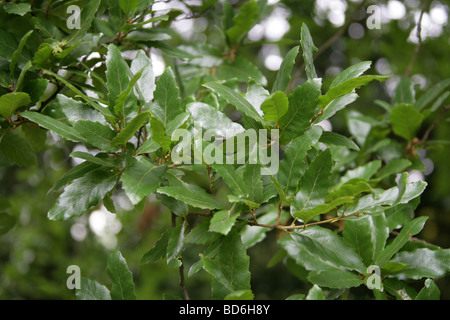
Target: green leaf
[128, 5]
[74, 173]
[120, 106]
[116, 74]
[252, 178]
[299, 296]
[10, 102]
[289, 173]
[393, 167]
[87, 14]
[195, 198]
[159, 134]
[336, 105]
[222, 221]
[424, 262]
[242, 70]
[6, 222]
[200, 234]
[302, 103]
[131, 128]
[351, 188]
[387, 197]
[315, 293]
[404, 93]
[308, 49]
[230, 267]
[411, 228]
[284, 73]
[346, 87]
[275, 107]
[231, 178]
[97, 135]
[17, 53]
[17, 150]
[240, 295]
[367, 235]
[56, 126]
[209, 118]
[314, 184]
[159, 250]
[175, 245]
[235, 99]
[333, 138]
[320, 249]
[243, 22]
[148, 146]
[167, 97]
[104, 111]
[363, 172]
[307, 215]
[76, 110]
[141, 179]
[92, 290]
[405, 120]
[335, 279]
[83, 193]
[17, 8]
[429, 292]
[106, 162]
[351, 72]
[146, 83]
[122, 279]
[431, 94]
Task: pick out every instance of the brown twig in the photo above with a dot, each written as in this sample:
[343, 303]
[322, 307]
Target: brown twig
[419, 41]
[434, 124]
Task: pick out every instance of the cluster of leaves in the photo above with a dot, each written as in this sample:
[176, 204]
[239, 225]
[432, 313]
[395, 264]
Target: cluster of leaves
[325, 179]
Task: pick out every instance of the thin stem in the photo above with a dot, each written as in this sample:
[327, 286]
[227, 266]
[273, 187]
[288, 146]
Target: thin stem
[419, 41]
[434, 124]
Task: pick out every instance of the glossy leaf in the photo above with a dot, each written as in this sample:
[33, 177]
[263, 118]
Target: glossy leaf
[335, 279]
[230, 267]
[235, 99]
[243, 21]
[54, 125]
[97, 135]
[275, 107]
[333, 138]
[405, 120]
[122, 279]
[308, 49]
[430, 291]
[117, 78]
[351, 72]
[131, 128]
[141, 179]
[314, 184]
[284, 73]
[83, 193]
[319, 249]
[222, 221]
[289, 173]
[302, 103]
[424, 262]
[10, 102]
[87, 15]
[411, 228]
[367, 235]
[167, 97]
[159, 250]
[175, 245]
[201, 200]
[146, 83]
[92, 290]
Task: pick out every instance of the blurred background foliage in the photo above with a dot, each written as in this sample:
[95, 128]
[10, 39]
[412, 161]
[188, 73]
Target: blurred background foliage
[35, 253]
